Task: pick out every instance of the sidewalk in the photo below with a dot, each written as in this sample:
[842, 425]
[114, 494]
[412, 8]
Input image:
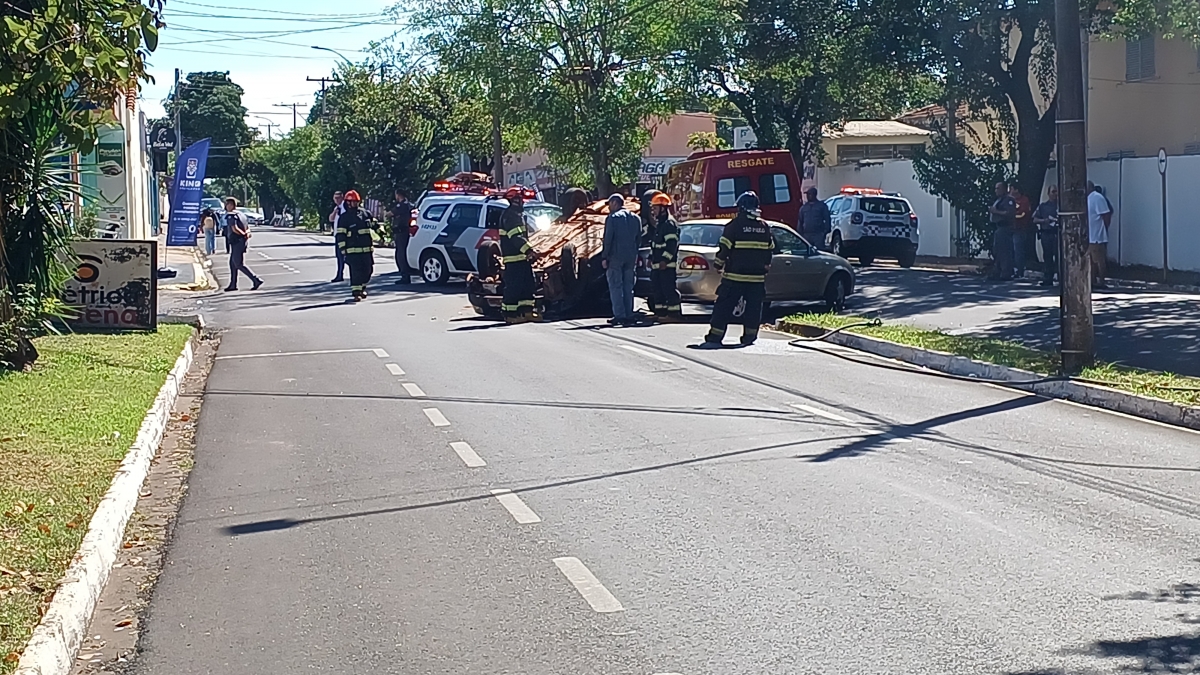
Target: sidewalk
[188, 263]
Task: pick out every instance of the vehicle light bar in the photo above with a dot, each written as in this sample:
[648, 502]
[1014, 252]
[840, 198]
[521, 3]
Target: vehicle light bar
[851, 190]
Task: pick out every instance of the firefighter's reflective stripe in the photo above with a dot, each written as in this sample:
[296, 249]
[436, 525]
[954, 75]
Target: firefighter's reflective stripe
[756, 245]
[513, 258]
[357, 250]
[725, 242]
[747, 278]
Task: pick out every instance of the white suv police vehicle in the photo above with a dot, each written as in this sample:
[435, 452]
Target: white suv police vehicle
[869, 223]
[458, 230]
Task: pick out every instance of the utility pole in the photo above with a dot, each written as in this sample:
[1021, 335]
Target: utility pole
[323, 81]
[268, 125]
[294, 107]
[1075, 299]
[178, 127]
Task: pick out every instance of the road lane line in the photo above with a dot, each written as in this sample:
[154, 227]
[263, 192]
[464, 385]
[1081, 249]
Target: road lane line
[436, 416]
[588, 585]
[643, 352]
[838, 418]
[270, 354]
[413, 390]
[821, 413]
[517, 508]
[380, 353]
[467, 454]
[395, 369]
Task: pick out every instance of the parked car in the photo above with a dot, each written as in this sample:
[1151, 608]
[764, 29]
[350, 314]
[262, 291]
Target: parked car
[869, 223]
[799, 271]
[252, 218]
[707, 184]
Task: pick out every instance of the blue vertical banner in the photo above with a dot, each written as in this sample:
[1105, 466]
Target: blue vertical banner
[186, 194]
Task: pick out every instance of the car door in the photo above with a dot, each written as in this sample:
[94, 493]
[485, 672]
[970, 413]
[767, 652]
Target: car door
[783, 278]
[804, 273]
[462, 218]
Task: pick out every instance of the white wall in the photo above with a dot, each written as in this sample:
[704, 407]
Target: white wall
[1133, 186]
[937, 231]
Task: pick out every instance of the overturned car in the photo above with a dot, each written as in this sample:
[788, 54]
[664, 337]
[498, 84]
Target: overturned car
[568, 272]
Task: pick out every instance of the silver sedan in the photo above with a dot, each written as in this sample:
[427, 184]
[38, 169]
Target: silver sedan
[799, 271]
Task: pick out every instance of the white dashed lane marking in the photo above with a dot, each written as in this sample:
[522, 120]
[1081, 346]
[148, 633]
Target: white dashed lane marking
[310, 353]
[467, 454]
[838, 418]
[588, 585]
[645, 353]
[436, 417]
[517, 508]
[380, 353]
[395, 369]
[413, 390]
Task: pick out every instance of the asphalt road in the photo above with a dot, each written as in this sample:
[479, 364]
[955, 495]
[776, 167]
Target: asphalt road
[1152, 329]
[661, 510]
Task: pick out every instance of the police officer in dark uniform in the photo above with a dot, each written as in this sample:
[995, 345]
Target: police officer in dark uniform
[744, 256]
[354, 242]
[401, 221]
[664, 255]
[518, 305]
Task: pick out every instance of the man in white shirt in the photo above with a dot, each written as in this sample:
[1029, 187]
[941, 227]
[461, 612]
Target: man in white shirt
[1099, 217]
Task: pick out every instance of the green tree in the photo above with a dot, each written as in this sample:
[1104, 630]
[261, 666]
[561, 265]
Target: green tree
[706, 140]
[796, 67]
[62, 68]
[210, 106]
[395, 133]
[582, 77]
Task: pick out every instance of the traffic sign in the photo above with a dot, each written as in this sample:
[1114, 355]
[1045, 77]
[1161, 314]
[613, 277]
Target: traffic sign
[1162, 161]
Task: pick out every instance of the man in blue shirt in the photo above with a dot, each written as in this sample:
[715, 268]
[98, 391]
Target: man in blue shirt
[622, 239]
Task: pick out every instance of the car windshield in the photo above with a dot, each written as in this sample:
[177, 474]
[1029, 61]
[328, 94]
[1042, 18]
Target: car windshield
[540, 216]
[700, 235]
[884, 206]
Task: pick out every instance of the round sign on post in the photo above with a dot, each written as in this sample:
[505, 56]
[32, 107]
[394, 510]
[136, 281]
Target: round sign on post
[1162, 161]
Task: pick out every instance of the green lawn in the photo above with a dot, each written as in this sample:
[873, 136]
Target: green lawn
[1185, 390]
[64, 429]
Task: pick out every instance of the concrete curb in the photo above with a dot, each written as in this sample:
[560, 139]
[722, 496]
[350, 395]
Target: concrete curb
[1088, 394]
[56, 639]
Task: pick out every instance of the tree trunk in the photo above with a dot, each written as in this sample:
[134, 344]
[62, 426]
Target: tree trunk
[1035, 143]
[604, 183]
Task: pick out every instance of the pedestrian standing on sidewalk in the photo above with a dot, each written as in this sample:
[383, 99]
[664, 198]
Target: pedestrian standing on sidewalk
[208, 225]
[333, 227]
[622, 238]
[815, 221]
[1099, 218]
[664, 255]
[1045, 218]
[1001, 215]
[239, 239]
[353, 239]
[401, 213]
[1022, 230]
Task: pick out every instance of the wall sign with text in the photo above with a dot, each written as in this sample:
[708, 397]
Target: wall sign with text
[114, 286]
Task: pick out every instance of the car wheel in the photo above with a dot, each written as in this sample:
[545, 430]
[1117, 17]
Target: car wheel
[489, 262]
[433, 268]
[866, 260]
[836, 247]
[907, 258]
[836, 291]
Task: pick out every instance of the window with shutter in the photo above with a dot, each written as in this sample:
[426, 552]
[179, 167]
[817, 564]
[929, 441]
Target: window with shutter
[1139, 59]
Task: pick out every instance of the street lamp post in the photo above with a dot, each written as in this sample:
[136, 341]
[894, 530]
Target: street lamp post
[334, 51]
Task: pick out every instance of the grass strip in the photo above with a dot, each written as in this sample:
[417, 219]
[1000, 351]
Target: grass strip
[64, 429]
[1168, 386]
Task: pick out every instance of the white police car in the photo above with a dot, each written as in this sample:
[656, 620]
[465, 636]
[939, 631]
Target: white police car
[868, 223]
[458, 229]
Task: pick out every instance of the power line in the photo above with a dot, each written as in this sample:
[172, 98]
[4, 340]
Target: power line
[248, 9]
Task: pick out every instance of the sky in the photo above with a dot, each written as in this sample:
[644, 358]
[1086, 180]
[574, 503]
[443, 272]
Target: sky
[266, 46]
